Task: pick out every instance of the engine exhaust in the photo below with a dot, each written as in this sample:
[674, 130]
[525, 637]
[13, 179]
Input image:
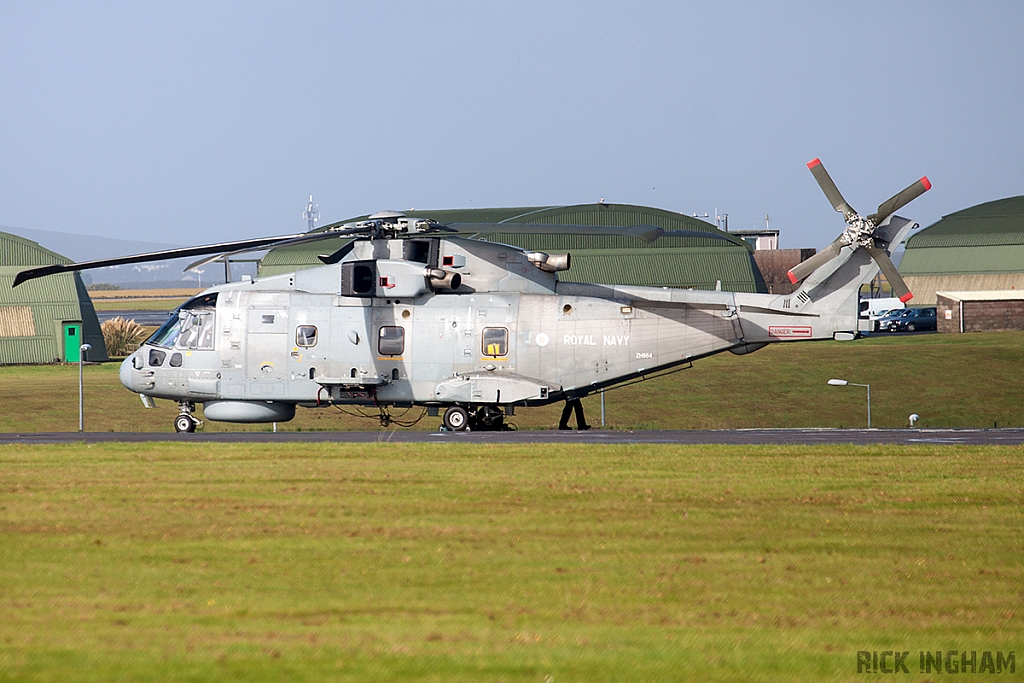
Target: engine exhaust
[549, 263]
[444, 280]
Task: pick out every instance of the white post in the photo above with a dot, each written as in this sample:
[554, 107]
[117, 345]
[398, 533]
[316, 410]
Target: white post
[81, 393]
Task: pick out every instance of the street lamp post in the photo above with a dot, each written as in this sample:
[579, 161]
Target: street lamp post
[843, 383]
[81, 393]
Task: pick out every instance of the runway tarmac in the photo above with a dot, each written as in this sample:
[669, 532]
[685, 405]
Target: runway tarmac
[141, 317]
[978, 437]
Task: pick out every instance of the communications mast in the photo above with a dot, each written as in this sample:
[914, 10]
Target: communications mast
[311, 214]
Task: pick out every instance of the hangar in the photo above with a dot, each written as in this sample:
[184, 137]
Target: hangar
[45, 320]
[720, 259]
[978, 249]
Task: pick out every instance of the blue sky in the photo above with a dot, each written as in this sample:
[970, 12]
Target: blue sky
[197, 122]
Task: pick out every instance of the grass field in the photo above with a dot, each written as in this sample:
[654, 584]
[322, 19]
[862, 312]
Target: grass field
[971, 380]
[140, 299]
[180, 294]
[161, 562]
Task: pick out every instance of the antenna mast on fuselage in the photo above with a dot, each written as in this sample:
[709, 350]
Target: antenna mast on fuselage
[311, 214]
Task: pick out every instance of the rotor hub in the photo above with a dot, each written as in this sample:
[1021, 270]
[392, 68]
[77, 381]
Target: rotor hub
[859, 232]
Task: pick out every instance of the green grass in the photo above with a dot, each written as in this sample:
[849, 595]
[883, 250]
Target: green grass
[971, 380]
[160, 562]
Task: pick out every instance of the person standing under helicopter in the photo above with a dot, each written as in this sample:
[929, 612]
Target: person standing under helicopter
[573, 404]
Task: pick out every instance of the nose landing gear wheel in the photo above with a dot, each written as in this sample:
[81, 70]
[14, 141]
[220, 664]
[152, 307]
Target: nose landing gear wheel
[184, 423]
[456, 419]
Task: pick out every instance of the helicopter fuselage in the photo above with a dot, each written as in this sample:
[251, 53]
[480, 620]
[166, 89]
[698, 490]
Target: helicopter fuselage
[445, 321]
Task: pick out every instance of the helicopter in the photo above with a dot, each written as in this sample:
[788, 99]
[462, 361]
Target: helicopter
[408, 315]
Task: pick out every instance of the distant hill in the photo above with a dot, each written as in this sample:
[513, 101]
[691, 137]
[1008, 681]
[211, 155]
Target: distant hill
[142, 275]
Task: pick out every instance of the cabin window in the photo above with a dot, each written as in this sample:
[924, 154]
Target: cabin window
[305, 335]
[495, 341]
[391, 341]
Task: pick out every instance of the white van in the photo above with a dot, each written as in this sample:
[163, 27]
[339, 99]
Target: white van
[873, 309]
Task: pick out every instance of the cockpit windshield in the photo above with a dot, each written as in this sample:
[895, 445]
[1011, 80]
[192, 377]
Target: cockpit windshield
[189, 327]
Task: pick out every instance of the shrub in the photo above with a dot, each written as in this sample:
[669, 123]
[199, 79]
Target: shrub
[122, 336]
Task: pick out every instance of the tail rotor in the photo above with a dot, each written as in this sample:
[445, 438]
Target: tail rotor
[860, 232]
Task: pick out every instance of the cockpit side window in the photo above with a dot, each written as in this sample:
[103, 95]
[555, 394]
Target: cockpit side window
[196, 329]
[190, 327]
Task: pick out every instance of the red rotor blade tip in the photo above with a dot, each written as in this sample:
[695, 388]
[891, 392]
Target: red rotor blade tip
[906, 297]
[813, 162]
[792, 278]
[927, 183]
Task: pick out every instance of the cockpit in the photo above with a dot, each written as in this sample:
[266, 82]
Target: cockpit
[190, 327]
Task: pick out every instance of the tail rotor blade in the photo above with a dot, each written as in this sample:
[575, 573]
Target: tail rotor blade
[900, 199]
[888, 268]
[805, 268]
[829, 188]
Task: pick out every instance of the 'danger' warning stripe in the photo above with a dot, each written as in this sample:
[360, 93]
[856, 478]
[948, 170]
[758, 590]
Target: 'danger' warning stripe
[796, 332]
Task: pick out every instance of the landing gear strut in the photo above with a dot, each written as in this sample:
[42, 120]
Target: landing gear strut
[489, 418]
[186, 422]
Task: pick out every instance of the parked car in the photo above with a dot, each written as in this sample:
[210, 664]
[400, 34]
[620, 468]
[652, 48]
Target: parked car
[875, 317]
[913, 320]
[883, 322]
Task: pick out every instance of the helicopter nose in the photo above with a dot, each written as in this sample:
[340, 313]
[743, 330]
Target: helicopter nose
[125, 373]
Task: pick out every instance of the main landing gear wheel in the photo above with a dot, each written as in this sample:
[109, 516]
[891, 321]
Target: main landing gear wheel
[456, 419]
[184, 423]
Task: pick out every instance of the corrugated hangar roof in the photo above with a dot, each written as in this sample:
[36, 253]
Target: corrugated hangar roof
[987, 238]
[32, 316]
[673, 261]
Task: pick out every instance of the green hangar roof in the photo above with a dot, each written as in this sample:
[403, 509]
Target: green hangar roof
[987, 238]
[615, 258]
[980, 248]
[44, 320]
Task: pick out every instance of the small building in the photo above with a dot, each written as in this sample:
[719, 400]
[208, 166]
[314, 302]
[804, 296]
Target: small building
[775, 265]
[45, 320]
[759, 240]
[998, 311]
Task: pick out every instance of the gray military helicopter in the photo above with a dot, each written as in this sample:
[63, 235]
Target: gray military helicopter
[407, 315]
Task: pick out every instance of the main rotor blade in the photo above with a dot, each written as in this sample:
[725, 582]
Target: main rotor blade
[805, 268]
[888, 268]
[835, 197]
[698, 234]
[647, 233]
[900, 199]
[184, 252]
[286, 242]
